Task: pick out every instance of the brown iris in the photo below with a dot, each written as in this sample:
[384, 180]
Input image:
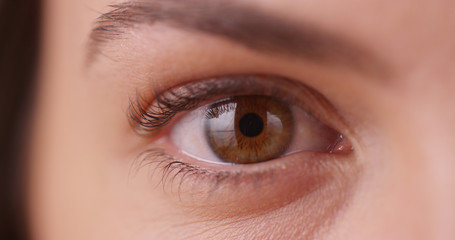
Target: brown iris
[249, 129]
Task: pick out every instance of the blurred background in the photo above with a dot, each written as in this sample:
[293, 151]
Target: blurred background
[19, 28]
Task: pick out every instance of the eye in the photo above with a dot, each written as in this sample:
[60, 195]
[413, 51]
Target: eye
[251, 129]
[240, 120]
[231, 142]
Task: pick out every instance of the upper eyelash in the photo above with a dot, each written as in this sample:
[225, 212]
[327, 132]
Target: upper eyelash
[148, 116]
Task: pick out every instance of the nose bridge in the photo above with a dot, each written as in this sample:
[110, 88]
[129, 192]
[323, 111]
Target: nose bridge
[428, 148]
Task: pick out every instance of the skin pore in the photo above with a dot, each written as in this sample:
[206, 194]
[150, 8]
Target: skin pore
[385, 68]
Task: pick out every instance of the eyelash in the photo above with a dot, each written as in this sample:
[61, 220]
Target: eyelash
[173, 168]
[148, 117]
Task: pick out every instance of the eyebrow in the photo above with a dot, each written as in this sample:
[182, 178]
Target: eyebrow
[244, 25]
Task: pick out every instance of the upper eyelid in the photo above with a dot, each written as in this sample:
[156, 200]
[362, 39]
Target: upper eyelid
[149, 114]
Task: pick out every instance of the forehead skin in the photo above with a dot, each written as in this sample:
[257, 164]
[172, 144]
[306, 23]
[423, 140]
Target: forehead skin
[405, 121]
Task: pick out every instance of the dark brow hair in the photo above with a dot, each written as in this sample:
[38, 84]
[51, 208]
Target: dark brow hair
[237, 22]
[19, 28]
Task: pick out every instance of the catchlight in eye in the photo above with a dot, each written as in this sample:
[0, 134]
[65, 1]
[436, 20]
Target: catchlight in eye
[248, 129]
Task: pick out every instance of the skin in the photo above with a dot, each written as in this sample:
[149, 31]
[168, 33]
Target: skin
[397, 183]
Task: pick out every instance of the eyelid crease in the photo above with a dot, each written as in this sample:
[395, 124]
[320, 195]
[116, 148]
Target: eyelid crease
[149, 115]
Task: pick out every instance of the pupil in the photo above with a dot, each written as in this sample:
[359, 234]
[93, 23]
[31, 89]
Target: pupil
[251, 125]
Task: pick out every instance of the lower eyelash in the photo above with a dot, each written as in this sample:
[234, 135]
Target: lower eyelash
[158, 159]
[171, 169]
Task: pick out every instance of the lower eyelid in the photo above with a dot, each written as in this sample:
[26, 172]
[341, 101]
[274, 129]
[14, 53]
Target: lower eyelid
[252, 189]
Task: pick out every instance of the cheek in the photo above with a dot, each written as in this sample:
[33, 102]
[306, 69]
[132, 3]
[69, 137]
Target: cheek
[292, 208]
